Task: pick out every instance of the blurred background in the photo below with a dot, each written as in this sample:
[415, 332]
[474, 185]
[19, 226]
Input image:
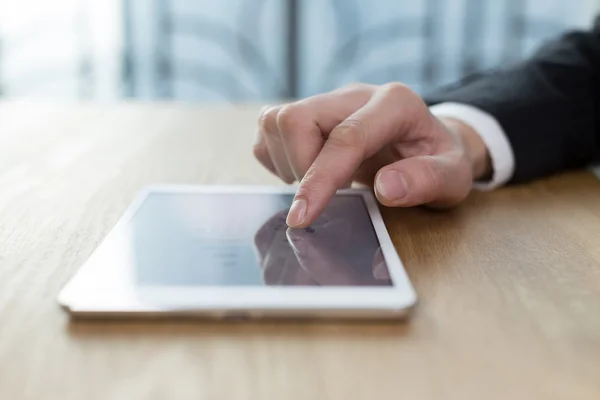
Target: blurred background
[261, 50]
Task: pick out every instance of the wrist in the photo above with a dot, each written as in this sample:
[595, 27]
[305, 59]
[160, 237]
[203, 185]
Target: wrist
[475, 148]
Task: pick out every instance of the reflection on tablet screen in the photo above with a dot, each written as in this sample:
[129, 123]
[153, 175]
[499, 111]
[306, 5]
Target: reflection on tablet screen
[206, 239]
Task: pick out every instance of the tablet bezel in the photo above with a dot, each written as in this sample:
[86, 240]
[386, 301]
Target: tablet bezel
[94, 288]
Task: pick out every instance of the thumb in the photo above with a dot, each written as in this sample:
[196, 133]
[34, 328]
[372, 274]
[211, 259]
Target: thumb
[439, 180]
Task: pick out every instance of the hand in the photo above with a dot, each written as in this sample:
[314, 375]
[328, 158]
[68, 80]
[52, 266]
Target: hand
[382, 136]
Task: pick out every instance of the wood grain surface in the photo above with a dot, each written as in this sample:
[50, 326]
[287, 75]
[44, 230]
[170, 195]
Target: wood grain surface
[509, 283]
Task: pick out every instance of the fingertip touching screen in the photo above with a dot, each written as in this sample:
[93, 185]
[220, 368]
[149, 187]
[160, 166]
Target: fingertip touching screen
[221, 239]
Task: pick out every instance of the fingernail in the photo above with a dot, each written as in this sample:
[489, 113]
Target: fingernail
[297, 213]
[391, 185]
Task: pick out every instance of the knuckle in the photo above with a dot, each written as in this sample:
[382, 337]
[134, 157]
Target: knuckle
[414, 107]
[350, 134]
[265, 108]
[358, 87]
[432, 176]
[288, 117]
[260, 151]
[314, 177]
[397, 90]
[267, 120]
[311, 186]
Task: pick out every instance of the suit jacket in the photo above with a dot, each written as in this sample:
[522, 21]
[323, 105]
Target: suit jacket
[548, 105]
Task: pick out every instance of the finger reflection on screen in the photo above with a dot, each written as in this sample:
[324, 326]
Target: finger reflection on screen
[280, 265]
[339, 249]
[219, 239]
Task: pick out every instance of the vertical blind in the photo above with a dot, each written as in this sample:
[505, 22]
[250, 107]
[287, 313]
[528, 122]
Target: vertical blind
[264, 50]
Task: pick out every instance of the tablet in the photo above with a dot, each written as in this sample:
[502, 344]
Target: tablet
[226, 252]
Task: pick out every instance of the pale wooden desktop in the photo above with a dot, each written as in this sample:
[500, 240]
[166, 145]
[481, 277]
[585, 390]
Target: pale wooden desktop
[509, 283]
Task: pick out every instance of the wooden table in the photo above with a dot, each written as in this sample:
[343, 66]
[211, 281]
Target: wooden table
[509, 283]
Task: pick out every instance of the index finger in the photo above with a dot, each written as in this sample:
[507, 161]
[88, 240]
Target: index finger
[394, 112]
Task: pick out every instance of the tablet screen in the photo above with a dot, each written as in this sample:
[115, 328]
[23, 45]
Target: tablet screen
[218, 239]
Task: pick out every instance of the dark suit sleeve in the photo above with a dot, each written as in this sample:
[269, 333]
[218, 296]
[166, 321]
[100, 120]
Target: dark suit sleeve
[548, 106]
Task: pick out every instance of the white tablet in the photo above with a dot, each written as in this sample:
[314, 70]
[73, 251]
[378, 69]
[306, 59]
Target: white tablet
[226, 252]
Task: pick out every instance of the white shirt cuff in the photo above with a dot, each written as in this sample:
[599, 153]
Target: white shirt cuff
[493, 136]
